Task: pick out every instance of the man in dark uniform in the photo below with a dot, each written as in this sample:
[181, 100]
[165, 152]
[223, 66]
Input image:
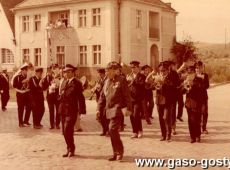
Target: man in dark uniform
[175, 83]
[163, 84]
[51, 83]
[72, 103]
[101, 117]
[205, 85]
[149, 102]
[193, 103]
[37, 98]
[137, 87]
[115, 96]
[4, 88]
[20, 83]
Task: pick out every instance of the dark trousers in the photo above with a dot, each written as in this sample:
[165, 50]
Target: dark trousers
[172, 109]
[165, 120]
[194, 120]
[116, 142]
[23, 102]
[5, 98]
[150, 105]
[68, 131]
[53, 110]
[180, 103]
[204, 112]
[135, 118]
[38, 110]
[104, 123]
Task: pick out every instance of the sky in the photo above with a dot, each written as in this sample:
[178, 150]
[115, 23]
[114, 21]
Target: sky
[203, 20]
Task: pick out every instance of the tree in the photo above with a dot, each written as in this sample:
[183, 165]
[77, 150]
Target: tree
[184, 50]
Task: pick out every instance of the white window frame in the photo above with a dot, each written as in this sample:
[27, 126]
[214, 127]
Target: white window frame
[138, 18]
[7, 56]
[96, 54]
[37, 56]
[96, 17]
[37, 22]
[25, 55]
[82, 18]
[60, 52]
[83, 55]
[26, 23]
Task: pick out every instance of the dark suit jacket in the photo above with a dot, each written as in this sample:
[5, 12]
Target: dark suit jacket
[72, 101]
[36, 92]
[115, 95]
[4, 83]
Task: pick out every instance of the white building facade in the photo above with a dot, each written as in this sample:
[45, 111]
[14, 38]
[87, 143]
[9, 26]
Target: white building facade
[91, 33]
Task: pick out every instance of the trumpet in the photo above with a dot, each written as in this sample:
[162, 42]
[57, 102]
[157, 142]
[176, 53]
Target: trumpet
[97, 87]
[188, 82]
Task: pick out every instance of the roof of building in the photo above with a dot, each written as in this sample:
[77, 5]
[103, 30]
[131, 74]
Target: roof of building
[7, 5]
[40, 3]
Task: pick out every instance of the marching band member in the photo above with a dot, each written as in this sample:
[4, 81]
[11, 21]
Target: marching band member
[4, 88]
[148, 93]
[20, 83]
[51, 83]
[193, 89]
[205, 81]
[37, 98]
[101, 116]
[115, 96]
[137, 87]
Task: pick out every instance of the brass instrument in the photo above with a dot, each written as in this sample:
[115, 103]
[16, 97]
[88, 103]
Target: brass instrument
[188, 82]
[96, 88]
[130, 78]
[158, 81]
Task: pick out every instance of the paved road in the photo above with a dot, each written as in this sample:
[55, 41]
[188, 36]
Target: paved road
[26, 148]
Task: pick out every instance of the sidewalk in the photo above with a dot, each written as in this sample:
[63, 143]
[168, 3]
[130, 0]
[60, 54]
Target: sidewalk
[27, 148]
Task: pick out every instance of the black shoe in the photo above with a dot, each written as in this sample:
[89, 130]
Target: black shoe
[180, 119]
[198, 139]
[114, 158]
[66, 155]
[163, 139]
[193, 141]
[57, 127]
[51, 127]
[79, 130]
[205, 132]
[4, 109]
[169, 139]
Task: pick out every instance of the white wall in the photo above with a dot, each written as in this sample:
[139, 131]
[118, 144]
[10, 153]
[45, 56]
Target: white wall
[6, 38]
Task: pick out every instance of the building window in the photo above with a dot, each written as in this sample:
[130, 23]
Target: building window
[25, 23]
[37, 22]
[96, 54]
[138, 18]
[64, 17]
[82, 18]
[25, 55]
[7, 56]
[37, 56]
[96, 16]
[61, 55]
[83, 55]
